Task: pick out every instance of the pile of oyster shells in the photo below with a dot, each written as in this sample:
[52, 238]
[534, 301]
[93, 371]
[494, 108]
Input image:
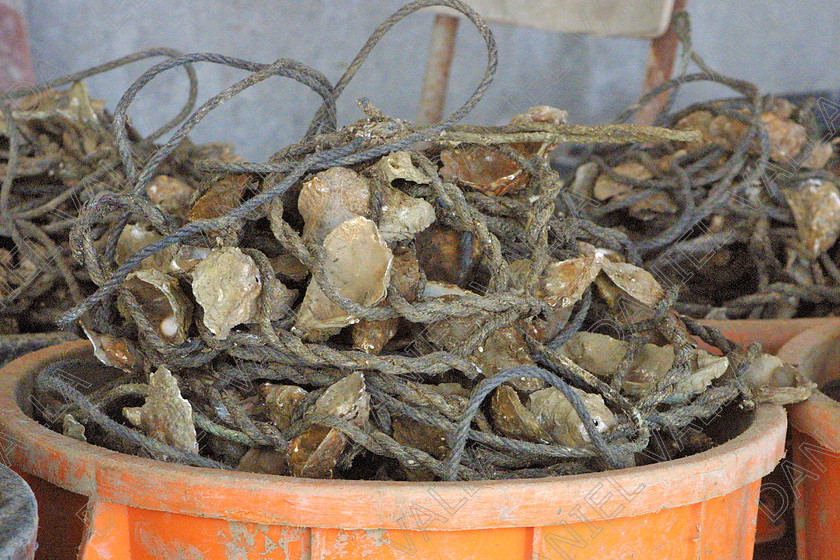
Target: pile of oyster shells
[772, 251]
[66, 155]
[383, 238]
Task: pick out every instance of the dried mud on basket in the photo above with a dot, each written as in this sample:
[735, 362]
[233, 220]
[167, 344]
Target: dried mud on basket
[744, 220]
[386, 301]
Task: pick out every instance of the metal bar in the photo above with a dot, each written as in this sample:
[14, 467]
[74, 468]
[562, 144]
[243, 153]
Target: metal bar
[436, 79]
[663, 53]
[15, 56]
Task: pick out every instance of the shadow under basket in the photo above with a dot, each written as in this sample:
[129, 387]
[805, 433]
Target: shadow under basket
[100, 504]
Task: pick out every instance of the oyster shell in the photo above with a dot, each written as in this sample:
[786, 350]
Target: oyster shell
[775, 381]
[227, 286]
[606, 187]
[655, 361]
[372, 336]
[514, 420]
[597, 353]
[164, 304]
[446, 254]
[489, 170]
[816, 210]
[822, 152]
[263, 461]
[170, 194]
[558, 418]
[658, 202]
[116, 352]
[422, 436]
[398, 165]
[403, 216]
[315, 452]
[563, 283]
[503, 349]
[539, 114]
[70, 427]
[222, 197]
[165, 416]
[134, 237]
[483, 168]
[787, 137]
[280, 402]
[601, 355]
[329, 198]
[358, 265]
[186, 257]
[631, 291]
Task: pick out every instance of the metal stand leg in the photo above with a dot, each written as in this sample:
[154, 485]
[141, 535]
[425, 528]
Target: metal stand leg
[15, 58]
[436, 79]
[663, 53]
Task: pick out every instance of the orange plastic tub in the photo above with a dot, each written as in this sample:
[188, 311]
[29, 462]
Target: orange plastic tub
[815, 440]
[134, 508]
[772, 334]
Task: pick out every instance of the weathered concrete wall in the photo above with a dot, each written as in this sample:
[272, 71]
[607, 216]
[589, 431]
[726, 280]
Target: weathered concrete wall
[781, 45]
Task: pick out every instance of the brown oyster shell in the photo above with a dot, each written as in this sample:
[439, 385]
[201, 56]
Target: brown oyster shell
[446, 254]
[372, 336]
[280, 402]
[315, 452]
[170, 194]
[483, 168]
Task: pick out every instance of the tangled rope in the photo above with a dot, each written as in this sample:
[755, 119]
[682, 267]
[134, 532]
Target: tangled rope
[217, 375]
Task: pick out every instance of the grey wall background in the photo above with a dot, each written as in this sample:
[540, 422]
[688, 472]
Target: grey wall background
[783, 46]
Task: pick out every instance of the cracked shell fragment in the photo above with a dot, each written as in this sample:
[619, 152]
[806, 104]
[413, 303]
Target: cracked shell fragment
[357, 263]
[227, 286]
[557, 416]
[165, 416]
[816, 211]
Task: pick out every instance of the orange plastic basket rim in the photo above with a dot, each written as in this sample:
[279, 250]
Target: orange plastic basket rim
[145, 483]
